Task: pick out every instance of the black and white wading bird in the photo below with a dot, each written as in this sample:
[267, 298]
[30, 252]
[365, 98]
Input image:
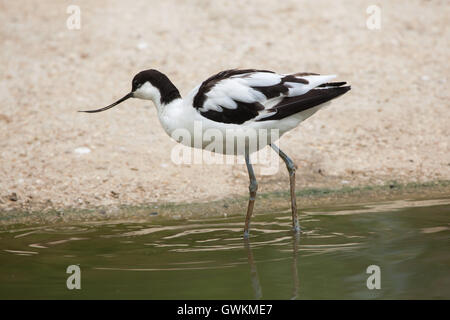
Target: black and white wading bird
[233, 100]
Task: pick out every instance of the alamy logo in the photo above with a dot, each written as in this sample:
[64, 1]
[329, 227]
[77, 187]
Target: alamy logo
[73, 281]
[373, 21]
[374, 280]
[200, 145]
[73, 22]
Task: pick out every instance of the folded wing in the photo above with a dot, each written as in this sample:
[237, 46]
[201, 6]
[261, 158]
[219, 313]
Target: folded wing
[237, 96]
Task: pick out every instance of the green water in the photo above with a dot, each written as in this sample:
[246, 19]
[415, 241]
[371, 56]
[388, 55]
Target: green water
[208, 259]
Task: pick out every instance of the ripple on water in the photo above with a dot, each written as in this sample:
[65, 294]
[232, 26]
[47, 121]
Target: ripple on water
[351, 238]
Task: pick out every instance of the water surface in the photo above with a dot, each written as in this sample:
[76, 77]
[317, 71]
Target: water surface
[209, 259]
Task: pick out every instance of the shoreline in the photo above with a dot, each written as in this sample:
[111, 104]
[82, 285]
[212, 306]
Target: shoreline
[392, 125]
[307, 198]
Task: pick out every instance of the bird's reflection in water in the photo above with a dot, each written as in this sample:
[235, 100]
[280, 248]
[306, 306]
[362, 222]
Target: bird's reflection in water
[253, 271]
[256, 285]
[296, 282]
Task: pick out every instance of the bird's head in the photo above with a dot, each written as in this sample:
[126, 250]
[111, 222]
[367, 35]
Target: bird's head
[148, 85]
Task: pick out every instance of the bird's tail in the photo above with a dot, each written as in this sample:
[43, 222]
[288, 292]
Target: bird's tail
[317, 96]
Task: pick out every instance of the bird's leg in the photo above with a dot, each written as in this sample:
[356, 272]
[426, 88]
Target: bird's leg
[253, 187]
[291, 168]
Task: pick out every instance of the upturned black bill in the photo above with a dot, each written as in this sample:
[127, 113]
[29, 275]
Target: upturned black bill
[128, 96]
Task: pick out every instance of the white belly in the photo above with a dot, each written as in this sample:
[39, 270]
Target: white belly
[190, 128]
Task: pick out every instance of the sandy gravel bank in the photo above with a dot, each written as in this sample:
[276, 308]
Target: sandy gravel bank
[393, 125]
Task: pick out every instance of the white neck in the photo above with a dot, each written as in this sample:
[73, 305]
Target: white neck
[148, 92]
[172, 115]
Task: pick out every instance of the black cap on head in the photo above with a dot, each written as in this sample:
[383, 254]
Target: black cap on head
[159, 80]
[142, 77]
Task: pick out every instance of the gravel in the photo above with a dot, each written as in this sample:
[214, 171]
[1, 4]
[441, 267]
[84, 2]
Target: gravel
[393, 125]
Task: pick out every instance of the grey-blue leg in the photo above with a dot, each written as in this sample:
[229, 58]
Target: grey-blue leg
[253, 187]
[291, 168]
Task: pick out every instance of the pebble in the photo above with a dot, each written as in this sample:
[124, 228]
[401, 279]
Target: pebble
[82, 150]
[142, 45]
[114, 194]
[13, 197]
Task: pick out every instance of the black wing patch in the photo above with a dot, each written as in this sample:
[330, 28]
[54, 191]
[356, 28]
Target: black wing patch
[314, 97]
[243, 112]
[280, 88]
